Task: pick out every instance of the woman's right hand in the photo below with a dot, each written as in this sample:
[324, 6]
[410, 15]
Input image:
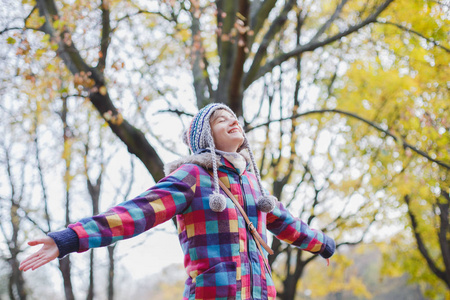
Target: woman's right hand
[46, 254]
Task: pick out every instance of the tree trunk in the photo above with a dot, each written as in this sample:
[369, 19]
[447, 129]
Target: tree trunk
[111, 272]
[64, 266]
[16, 285]
[90, 294]
[94, 192]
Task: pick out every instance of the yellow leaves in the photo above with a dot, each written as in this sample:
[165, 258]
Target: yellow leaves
[358, 287]
[10, 40]
[184, 34]
[339, 277]
[347, 186]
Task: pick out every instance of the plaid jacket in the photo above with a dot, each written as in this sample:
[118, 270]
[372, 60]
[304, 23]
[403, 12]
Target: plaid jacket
[221, 258]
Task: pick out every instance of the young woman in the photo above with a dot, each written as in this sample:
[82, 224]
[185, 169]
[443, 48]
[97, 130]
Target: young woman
[221, 239]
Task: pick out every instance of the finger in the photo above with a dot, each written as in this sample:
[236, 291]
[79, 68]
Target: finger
[29, 259]
[25, 265]
[40, 263]
[36, 242]
[32, 265]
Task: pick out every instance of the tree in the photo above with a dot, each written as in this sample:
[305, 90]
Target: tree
[12, 203]
[231, 51]
[411, 156]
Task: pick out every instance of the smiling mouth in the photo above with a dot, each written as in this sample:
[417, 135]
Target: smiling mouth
[233, 130]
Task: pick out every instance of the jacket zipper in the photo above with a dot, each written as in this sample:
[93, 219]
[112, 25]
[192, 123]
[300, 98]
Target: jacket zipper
[249, 235]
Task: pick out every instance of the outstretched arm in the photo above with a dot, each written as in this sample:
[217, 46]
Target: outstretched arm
[46, 254]
[160, 203]
[296, 232]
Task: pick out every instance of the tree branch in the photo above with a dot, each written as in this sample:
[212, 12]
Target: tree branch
[311, 46]
[226, 45]
[443, 232]
[198, 60]
[430, 40]
[41, 172]
[105, 39]
[420, 244]
[235, 88]
[275, 27]
[24, 22]
[372, 124]
[330, 21]
[141, 11]
[130, 135]
[258, 15]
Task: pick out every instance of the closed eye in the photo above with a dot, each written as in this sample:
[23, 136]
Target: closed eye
[221, 119]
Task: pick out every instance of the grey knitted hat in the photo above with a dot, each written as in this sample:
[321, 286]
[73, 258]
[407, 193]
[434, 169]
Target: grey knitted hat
[199, 137]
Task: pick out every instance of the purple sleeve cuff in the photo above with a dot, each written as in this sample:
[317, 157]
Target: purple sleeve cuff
[66, 240]
[330, 247]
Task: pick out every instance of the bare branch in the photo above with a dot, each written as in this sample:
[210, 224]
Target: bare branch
[199, 61]
[175, 111]
[355, 116]
[226, 46]
[98, 95]
[106, 32]
[240, 56]
[311, 46]
[24, 22]
[140, 11]
[275, 27]
[366, 230]
[259, 11]
[329, 21]
[41, 173]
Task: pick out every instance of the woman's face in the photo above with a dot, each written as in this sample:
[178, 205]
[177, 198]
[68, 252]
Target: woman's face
[226, 131]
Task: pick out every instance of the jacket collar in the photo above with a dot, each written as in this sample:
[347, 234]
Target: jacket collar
[204, 160]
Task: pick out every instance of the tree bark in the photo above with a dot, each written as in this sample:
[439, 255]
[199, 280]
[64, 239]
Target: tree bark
[94, 193]
[111, 271]
[421, 244]
[64, 264]
[64, 267]
[90, 294]
[16, 285]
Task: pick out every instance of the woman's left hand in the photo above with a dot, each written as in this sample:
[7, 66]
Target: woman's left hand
[46, 254]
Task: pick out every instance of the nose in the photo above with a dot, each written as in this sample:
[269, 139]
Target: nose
[234, 122]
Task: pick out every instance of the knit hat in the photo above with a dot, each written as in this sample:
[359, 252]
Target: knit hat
[199, 137]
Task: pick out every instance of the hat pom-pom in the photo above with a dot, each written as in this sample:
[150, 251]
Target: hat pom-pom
[217, 202]
[266, 203]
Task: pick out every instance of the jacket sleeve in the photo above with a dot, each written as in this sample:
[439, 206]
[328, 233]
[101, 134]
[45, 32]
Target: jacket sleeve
[296, 232]
[170, 196]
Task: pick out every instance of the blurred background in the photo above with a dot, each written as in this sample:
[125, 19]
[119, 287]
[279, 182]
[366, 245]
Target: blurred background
[345, 103]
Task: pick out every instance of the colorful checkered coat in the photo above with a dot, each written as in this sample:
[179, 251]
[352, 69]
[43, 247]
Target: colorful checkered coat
[221, 258]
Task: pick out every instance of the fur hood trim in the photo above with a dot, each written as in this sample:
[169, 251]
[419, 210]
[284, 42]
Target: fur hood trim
[204, 160]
